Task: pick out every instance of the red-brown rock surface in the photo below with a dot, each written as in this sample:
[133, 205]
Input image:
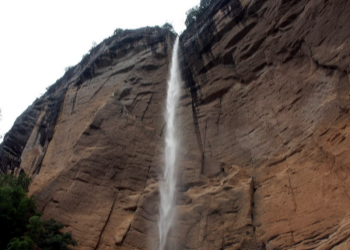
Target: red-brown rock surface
[264, 118]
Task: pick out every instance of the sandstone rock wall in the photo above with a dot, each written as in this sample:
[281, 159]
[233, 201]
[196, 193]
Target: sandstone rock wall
[263, 118]
[91, 140]
[270, 101]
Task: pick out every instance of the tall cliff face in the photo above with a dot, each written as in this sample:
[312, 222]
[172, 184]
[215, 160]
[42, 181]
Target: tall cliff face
[264, 120]
[91, 140]
[270, 102]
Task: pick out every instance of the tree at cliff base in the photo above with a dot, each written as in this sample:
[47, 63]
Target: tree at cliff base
[21, 228]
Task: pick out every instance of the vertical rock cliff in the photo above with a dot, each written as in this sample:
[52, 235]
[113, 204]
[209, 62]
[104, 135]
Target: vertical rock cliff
[91, 140]
[269, 97]
[264, 115]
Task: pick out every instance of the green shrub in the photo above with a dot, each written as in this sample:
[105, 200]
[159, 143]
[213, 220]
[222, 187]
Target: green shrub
[35, 228]
[52, 238]
[168, 26]
[85, 57]
[66, 69]
[194, 13]
[23, 243]
[204, 4]
[21, 228]
[94, 44]
[117, 31]
[15, 207]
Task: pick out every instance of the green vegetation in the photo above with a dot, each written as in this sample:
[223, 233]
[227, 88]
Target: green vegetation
[168, 26]
[67, 68]
[117, 31]
[94, 44]
[15, 207]
[194, 13]
[85, 56]
[21, 228]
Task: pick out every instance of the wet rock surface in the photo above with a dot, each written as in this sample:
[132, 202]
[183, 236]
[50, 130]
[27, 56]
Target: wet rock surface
[264, 118]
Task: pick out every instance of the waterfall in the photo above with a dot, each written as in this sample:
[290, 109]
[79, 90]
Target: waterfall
[167, 187]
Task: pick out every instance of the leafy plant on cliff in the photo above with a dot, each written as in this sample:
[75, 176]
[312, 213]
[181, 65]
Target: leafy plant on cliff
[168, 26]
[21, 228]
[15, 207]
[117, 31]
[66, 69]
[44, 234]
[93, 46]
[85, 56]
[194, 13]
[51, 237]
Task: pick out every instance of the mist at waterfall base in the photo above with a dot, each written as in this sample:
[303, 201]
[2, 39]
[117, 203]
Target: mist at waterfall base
[167, 186]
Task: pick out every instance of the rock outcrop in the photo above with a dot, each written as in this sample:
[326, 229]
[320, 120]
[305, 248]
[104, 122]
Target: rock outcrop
[264, 115]
[91, 171]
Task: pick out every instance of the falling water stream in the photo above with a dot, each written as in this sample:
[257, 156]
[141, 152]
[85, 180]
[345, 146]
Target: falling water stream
[167, 187]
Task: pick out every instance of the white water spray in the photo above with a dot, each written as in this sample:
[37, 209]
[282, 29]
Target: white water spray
[167, 188]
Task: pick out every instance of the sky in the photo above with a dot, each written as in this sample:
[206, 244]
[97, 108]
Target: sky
[40, 38]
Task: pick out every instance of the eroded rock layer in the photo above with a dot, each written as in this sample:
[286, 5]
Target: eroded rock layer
[264, 118]
[92, 170]
[270, 101]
